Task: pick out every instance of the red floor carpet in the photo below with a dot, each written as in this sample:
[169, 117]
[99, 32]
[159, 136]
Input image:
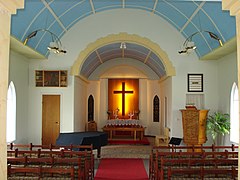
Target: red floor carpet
[121, 169]
[144, 141]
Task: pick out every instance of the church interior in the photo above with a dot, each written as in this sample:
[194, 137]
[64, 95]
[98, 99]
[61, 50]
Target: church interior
[125, 70]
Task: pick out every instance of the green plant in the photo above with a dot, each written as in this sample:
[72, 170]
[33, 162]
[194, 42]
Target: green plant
[218, 123]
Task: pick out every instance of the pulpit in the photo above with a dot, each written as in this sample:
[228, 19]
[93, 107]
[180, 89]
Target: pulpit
[194, 126]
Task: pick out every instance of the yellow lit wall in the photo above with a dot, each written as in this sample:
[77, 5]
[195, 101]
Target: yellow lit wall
[115, 100]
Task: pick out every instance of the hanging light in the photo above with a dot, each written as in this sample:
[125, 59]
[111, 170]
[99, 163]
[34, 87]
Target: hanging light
[189, 46]
[55, 45]
[123, 45]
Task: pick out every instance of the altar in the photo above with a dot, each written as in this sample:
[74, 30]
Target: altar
[132, 126]
[123, 122]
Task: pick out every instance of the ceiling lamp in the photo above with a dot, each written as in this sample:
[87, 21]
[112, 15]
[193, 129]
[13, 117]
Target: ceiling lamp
[55, 45]
[123, 45]
[189, 46]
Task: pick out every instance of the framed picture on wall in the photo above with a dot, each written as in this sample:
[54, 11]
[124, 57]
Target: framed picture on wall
[49, 78]
[195, 82]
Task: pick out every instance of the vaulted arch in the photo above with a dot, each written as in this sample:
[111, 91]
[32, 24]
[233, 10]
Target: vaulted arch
[153, 50]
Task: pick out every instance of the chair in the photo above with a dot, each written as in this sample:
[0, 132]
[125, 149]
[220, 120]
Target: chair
[163, 139]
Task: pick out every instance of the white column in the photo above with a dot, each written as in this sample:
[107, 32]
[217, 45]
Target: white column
[6, 9]
[234, 7]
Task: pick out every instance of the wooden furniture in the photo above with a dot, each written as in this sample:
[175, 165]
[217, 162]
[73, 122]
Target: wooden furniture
[169, 153]
[97, 139]
[92, 126]
[113, 129]
[194, 126]
[163, 139]
[161, 160]
[55, 78]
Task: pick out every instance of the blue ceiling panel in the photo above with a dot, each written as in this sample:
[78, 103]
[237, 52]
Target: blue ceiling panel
[76, 13]
[23, 18]
[140, 49]
[87, 63]
[156, 59]
[113, 53]
[39, 14]
[91, 68]
[202, 21]
[187, 8]
[134, 56]
[140, 4]
[203, 46]
[106, 5]
[107, 47]
[174, 15]
[60, 7]
[154, 67]
[214, 10]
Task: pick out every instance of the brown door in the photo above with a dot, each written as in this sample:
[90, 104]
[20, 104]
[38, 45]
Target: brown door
[50, 118]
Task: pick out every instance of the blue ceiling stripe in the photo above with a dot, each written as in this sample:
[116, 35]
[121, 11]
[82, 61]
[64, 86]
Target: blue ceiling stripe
[82, 10]
[214, 10]
[140, 4]
[106, 5]
[174, 12]
[24, 17]
[57, 6]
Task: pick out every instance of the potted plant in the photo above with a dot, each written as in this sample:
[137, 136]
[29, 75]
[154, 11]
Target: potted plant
[218, 123]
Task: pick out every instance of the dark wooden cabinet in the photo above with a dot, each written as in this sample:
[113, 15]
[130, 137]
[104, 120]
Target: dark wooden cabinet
[54, 78]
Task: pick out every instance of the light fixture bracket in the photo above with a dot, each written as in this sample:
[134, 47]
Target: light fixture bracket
[188, 45]
[55, 45]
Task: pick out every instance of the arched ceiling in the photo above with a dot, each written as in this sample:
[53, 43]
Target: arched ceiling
[114, 51]
[187, 17]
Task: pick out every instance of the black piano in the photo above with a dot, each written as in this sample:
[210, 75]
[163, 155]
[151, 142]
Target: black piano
[97, 139]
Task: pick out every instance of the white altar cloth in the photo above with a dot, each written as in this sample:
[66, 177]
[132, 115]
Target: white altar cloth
[112, 122]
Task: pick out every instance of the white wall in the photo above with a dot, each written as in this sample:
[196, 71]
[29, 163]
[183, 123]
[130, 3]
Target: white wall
[227, 74]
[166, 92]
[18, 73]
[80, 104]
[114, 22]
[153, 89]
[35, 102]
[93, 89]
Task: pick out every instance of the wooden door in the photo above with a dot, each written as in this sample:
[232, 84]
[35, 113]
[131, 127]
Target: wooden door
[50, 118]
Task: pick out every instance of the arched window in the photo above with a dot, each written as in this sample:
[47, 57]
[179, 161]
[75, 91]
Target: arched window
[234, 114]
[90, 108]
[11, 113]
[156, 109]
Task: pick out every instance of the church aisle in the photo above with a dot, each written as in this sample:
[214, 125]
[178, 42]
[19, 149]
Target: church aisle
[121, 169]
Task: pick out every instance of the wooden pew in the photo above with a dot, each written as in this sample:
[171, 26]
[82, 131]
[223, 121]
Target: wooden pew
[193, 164]
[154, 162]
[172, 148]
[202, 173]
[82, 160]
[40, 172]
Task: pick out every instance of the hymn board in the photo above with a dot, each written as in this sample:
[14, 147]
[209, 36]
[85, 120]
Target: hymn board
[123, 97]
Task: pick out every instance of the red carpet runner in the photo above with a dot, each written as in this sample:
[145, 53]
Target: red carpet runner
[121, 169]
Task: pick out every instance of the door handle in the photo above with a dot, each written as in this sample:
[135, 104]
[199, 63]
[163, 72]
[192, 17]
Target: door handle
[57, 123]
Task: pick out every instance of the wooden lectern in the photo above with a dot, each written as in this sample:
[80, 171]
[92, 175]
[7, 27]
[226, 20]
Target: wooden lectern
[194, 126]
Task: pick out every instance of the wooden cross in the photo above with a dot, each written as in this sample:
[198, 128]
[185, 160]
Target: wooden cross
[123, 92]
